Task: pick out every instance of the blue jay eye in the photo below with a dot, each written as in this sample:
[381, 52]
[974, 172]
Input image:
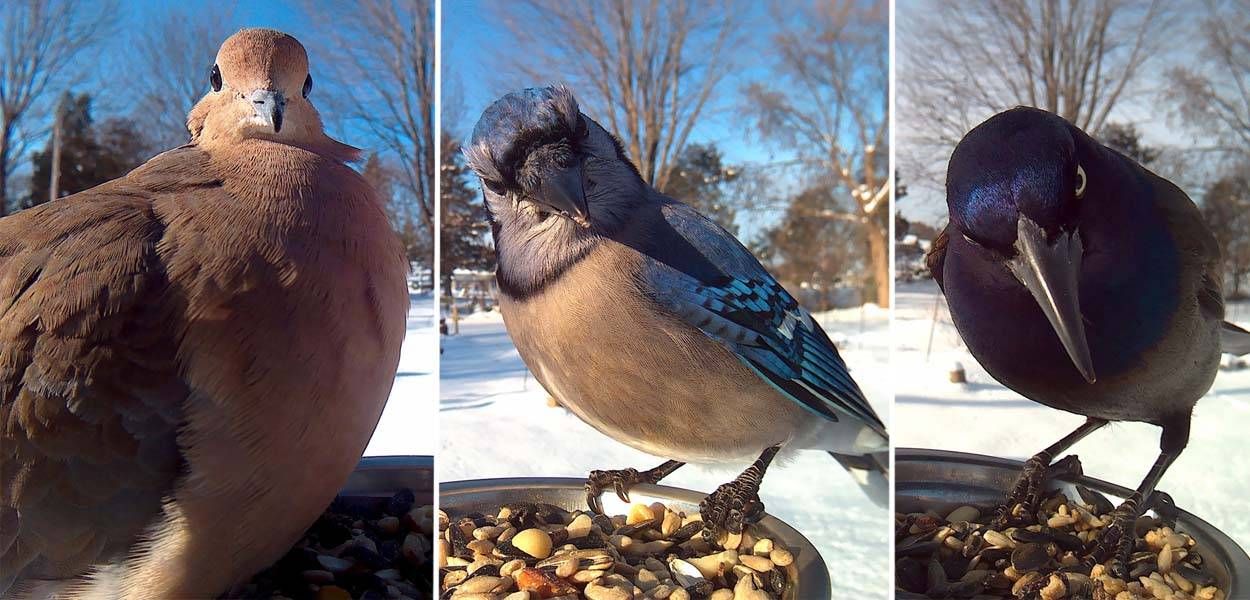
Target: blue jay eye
[214, 79]
[1080, 181]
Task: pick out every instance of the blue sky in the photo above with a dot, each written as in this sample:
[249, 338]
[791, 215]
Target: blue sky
[477, 47]
[284, 15]
[474, 49]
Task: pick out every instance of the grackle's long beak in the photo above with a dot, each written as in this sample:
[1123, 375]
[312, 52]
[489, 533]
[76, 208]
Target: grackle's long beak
[1050, 271]
[562, 191]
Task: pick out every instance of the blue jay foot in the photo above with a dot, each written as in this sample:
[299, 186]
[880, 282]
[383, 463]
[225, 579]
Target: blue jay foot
[621, 480]
[736, 504]
[730, 509]
[1026, 495]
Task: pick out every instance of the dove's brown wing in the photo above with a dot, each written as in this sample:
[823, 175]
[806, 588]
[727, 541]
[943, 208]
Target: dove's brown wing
[935, 260]
[90, 397]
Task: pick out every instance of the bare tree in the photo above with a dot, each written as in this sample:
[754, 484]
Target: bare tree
[1214, 94]
[646, 69]
[379, 55]
[828, 101]
[41, 41]
[172, 53]
[959, 64]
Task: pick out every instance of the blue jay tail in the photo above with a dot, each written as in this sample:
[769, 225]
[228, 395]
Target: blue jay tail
[1234, 340]
[871, 472]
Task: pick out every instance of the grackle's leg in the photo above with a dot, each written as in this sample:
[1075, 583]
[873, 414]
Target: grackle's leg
[1116, 540]
[735, 504]
[1029, 486]
[621, 480]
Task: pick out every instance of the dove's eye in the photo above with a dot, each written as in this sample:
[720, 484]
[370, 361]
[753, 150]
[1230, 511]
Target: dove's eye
[1080, 181]
[214, 79]
[307, 85]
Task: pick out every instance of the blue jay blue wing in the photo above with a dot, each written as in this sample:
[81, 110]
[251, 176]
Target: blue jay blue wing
[743, 307]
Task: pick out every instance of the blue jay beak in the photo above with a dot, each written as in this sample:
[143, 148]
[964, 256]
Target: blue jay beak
[1050, 271]
[562, 191]
[269, 105]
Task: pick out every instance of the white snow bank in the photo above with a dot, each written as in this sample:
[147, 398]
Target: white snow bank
[408, 423]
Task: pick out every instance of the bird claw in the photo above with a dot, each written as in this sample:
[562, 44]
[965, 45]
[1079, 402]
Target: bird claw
[1116, 540]
[619, 480]
[1027, 490]
[730, 509]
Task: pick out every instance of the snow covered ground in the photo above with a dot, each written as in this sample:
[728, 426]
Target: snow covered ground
[408, 423]
[1210, 478]
[495, 423]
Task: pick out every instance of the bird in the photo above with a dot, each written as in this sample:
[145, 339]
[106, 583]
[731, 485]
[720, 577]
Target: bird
[1084, 282]
[194, 356]
[647, 320]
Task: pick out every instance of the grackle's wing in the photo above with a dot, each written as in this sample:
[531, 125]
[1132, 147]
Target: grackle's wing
[1201, 268]
[935, 260]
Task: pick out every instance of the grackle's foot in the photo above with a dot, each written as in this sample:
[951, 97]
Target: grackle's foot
[1027, 492]
[621, 480]
[1115, 542]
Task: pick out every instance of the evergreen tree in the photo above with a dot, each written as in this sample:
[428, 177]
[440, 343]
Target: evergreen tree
[810, 251]
[701, 179]
[1125, 138]
[465, 233]
[1226, 208]
[91, 153]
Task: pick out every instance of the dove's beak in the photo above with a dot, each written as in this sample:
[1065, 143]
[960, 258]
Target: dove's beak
[1050, 270]
[269, 105]
[562, 191]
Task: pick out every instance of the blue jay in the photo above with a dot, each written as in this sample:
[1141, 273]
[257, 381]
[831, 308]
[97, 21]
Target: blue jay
[1086, 283]
[648, 321]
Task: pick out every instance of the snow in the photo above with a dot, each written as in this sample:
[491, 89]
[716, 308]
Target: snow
[495, 422]
[982, 416]
[408, 424]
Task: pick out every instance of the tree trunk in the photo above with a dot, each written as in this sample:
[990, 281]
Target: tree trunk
[5, 134]
[879, 255]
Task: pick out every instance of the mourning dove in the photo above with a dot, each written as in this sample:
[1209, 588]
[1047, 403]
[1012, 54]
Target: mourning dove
[194, 356]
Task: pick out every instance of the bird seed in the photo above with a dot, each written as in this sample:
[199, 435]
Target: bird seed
[356, 551]
[960, 556]
[532, 551]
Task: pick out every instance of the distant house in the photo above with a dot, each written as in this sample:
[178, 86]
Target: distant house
[909, 253]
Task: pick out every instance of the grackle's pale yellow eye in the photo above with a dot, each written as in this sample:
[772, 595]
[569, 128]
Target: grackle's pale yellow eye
[1080, 181]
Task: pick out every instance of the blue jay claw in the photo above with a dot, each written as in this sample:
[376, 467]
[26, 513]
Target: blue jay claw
[621, 480]
[730, 509]
[736, 504]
